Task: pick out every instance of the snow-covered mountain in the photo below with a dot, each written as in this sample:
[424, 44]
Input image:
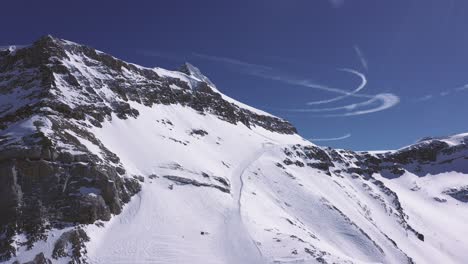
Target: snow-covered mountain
[105, 161]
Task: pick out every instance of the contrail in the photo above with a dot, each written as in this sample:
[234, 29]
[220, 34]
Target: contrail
[330, 139]
[268, 73]
[164, 55]
[464, 87]
[386, 101]
[383, 101]
[360, 87]
[424, 98]
[336, 3]
[361, 57]
[231, 61]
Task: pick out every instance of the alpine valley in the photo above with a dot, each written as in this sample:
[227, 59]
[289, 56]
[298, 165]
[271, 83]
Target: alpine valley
[104, 161]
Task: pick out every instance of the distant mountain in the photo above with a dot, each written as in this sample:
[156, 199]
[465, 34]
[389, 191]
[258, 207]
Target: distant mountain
[104, 161]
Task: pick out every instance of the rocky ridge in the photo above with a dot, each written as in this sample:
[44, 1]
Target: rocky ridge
[56, 174]
[52, 93]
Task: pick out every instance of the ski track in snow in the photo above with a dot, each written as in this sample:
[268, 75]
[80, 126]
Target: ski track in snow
[280, 207]
[241, 243]
[162, 225]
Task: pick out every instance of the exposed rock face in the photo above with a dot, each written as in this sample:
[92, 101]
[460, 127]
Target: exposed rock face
[54, 172]
[461, 193]
[101, 85]
[39, 259]
[429, 156]
[73, 240]
[40, 192]
[183, 181]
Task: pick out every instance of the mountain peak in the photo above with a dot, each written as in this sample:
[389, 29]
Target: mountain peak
[47, 41]
[86, 84]
[194, 72]
[82, 132]
[47, 37]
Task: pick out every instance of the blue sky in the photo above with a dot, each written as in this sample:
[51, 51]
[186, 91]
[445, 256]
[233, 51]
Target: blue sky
[306, 61]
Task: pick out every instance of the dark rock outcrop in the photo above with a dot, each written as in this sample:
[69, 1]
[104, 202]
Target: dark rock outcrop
[71, 245]
[58, 90]
[39, 259]
[460, 193]
[184, 181]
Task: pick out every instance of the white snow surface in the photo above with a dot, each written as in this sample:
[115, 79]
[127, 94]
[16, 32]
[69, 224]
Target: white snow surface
[270, 215]
[166, 224]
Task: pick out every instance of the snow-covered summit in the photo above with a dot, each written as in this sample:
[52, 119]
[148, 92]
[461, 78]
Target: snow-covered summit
[10, 48]
[92, 83]
[104, 161]
[456, 139]
[195, 73]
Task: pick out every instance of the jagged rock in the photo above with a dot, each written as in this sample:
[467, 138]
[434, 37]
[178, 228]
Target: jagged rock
[71, 244]
[199, 132]
[422, 153]
[440, 200]
[460, 194]
[56, 174]
[49, 180]
[39, 259]
[185, 181]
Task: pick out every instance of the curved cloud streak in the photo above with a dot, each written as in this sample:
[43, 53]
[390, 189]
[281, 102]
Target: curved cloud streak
[330, 139]
[462, 88]
[361, 57]
[373, 103]
[299, 82]
[268, 73]
[358, 89]
[251, 66]
[336, 3]
[385, 101]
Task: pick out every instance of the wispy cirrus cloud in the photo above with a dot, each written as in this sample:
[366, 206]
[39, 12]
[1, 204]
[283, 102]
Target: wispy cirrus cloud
[384, 101]
[425, 98]
[372, 103]
[361, 57]
[288, 79]
[281, 77]
[336, 3]
[462, 88]
[330, 139]
[158, 54]
[443, 93]
[377, 103]
[456, 89]
[352, 93]
[251, 66]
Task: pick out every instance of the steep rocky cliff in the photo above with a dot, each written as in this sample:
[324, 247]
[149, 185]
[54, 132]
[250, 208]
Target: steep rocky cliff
[104, 161]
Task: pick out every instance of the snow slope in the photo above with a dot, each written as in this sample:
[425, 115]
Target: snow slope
[164, 212]
[221, 182]
[271, 215]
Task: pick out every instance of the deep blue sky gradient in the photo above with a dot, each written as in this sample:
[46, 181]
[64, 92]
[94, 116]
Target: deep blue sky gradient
[414, 48]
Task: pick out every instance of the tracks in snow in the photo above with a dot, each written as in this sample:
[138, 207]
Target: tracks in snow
[242, 248]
